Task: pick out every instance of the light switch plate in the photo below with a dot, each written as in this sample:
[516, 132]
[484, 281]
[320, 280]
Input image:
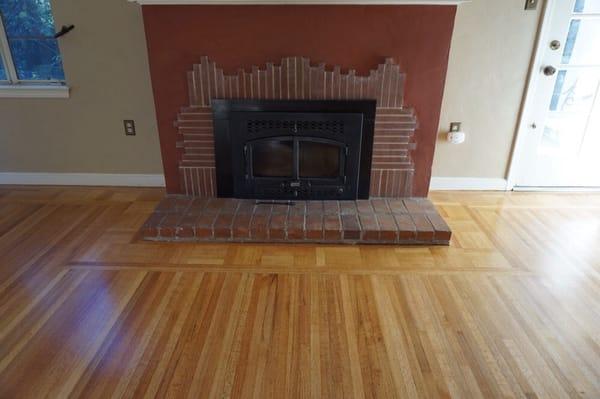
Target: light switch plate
[531, 4]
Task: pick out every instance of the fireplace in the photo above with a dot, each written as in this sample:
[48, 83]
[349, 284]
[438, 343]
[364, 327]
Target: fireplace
[345, 137]
[392, 125]
[281, 149]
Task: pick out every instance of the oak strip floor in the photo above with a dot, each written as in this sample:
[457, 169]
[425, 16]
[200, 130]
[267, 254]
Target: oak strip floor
[87, 310]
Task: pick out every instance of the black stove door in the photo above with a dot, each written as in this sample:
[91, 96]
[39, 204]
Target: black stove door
[296, 155]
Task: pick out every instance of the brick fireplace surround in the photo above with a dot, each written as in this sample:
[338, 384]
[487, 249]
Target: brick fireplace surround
[295, 79]
[408, 103]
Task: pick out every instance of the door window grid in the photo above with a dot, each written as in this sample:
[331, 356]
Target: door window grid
[580, 95]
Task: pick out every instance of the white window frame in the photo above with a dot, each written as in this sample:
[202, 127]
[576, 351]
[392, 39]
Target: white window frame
[18, 88]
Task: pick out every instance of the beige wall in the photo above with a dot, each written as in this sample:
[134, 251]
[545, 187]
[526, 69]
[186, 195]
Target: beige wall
[106, 67]
[489, 59]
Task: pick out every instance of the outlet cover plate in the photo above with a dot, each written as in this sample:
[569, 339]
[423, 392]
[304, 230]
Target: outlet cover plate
[129, 126]
[455, 126]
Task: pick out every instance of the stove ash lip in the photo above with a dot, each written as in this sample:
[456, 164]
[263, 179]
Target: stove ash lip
[230, 119]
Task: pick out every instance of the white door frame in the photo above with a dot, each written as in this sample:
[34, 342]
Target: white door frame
[516, 161]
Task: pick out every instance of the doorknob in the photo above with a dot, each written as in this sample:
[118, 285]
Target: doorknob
[549, 70]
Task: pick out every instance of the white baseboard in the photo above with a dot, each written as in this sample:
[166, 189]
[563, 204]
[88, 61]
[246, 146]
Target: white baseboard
[82, 179]
[468, 183]
[558, 189]
[147, 180]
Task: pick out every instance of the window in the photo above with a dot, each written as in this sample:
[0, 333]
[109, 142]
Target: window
[29, 52]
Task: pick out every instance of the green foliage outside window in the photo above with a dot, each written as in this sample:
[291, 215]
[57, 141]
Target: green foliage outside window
[29, 27]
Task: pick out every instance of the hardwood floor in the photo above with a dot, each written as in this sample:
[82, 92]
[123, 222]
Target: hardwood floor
[510, 309]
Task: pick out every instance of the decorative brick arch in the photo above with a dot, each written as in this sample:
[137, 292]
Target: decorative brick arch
[296, 79]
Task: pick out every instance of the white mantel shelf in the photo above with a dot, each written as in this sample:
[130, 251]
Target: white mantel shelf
[307, 2]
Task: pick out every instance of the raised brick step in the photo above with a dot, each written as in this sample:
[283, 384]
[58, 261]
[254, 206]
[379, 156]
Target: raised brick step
[383, 221]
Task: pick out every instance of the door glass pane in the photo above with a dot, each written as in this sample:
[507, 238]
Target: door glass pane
[574, 90]
[319, 159]
[273, 158]
[587, 6]
[562, 135]
[581, 46]
[591, 147]
[571, 111]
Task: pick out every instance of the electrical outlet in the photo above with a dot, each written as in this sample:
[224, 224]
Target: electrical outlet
[129, 126]
[456, 135]
[531, 4]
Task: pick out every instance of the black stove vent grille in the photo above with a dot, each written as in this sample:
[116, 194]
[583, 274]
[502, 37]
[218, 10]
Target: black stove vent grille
[258, 126]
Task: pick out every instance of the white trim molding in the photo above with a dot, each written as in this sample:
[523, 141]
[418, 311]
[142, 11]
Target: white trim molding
[301, 2]
[468, 183]
[82, 179]
[34, 91]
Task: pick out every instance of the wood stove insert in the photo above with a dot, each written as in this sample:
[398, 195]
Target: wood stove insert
[310, 150]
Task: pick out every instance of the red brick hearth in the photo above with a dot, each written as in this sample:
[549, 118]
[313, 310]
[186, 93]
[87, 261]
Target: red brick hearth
[386, 221]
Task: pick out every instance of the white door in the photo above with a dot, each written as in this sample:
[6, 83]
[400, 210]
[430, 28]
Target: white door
[561, 144]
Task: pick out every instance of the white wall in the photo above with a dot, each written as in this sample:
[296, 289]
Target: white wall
[106, 66]
[491, 50]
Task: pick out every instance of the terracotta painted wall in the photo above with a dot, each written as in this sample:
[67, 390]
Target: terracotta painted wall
[358, 37]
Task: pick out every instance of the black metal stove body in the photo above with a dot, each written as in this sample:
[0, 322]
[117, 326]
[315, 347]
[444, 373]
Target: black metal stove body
[293, 149]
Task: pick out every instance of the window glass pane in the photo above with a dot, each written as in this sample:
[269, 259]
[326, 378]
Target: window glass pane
[2, 71]
[29, 27]
[37, 59]
[273, 158]
[319, 159]
[27, 17]
[587, 6]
